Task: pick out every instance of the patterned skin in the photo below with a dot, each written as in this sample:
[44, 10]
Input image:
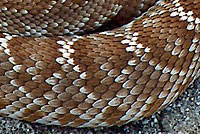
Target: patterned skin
[101, 79]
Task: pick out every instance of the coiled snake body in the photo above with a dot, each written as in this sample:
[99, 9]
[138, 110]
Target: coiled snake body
[101, 79]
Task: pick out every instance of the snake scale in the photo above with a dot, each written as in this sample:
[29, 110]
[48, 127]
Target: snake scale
[52, 73]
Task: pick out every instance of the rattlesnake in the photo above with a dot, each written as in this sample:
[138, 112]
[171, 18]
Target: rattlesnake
[53, 73]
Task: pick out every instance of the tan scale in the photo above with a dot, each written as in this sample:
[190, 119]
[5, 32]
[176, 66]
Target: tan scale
[100, 79]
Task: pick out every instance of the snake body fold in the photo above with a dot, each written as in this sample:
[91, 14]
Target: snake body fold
[101, 79]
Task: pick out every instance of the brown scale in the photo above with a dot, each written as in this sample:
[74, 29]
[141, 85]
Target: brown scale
[103, 79]
[37, 18]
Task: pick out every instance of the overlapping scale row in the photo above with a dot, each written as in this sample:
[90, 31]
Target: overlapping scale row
[104, 79]
[61, 17]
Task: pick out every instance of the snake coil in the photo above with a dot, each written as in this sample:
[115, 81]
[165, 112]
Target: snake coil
[50, 73]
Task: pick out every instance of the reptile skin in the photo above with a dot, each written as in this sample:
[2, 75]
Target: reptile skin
[101, 79]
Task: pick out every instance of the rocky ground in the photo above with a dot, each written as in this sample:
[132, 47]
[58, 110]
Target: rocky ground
[181, 117]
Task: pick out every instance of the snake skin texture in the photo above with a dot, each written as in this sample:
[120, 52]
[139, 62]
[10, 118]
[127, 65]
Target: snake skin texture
[100, 79]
